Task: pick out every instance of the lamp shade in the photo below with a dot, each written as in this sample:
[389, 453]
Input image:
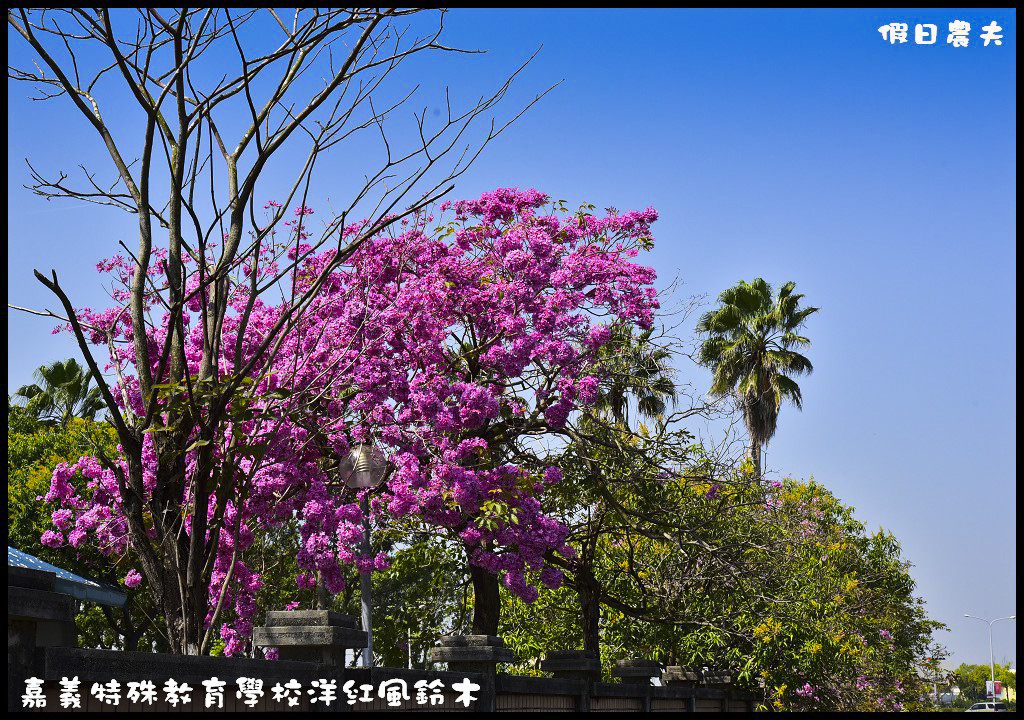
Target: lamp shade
[364, 467]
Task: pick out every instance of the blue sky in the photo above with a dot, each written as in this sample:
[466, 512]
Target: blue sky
[791, 145]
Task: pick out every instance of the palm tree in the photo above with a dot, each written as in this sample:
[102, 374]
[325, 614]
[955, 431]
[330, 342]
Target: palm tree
[637, 368]
[750, 348]
[62, 393]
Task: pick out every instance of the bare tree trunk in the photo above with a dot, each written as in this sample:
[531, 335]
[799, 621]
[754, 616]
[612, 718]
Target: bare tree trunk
[589, 591]
[486, 601]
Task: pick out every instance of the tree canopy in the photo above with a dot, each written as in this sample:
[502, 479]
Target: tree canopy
[751, 345]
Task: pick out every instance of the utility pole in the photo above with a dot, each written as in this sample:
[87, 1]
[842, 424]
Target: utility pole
[991, 657]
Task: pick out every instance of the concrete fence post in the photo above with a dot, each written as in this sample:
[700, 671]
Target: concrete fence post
[318, 636]
[37, 618]
[474, 654]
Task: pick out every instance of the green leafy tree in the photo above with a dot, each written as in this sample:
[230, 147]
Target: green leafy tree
[852, 636]
[972, 678]
[425, 593]
[628, 497]
[633, 368]
[781, 585]
[61, 392]
[33, 450]
[751, 346]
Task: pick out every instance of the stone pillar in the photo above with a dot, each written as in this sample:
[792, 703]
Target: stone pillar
[472, 653]
[479, 654]
[638, 672]
[318, 636]
[680, 676]
[573, 665]
[720, 679]
[37, 617]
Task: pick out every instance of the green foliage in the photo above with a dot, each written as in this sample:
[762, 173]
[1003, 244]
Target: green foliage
[971, 679]
[530, 631]
[34, 448]
[424, 594]
[780, 585]
[853, 629]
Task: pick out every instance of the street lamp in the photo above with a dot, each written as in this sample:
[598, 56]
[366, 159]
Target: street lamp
[362, 469]
[991, 657]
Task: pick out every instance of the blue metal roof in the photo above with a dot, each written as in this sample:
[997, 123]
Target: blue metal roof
[67, 582]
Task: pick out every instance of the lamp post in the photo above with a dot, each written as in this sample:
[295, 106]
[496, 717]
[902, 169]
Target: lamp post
[362, 469]
[991, 657]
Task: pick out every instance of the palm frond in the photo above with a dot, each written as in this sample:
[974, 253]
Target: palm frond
[749, 347]
[62, 393]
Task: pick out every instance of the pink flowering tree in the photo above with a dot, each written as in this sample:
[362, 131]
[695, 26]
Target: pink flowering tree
[449, 346]
[214, 108]
[464, 345]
